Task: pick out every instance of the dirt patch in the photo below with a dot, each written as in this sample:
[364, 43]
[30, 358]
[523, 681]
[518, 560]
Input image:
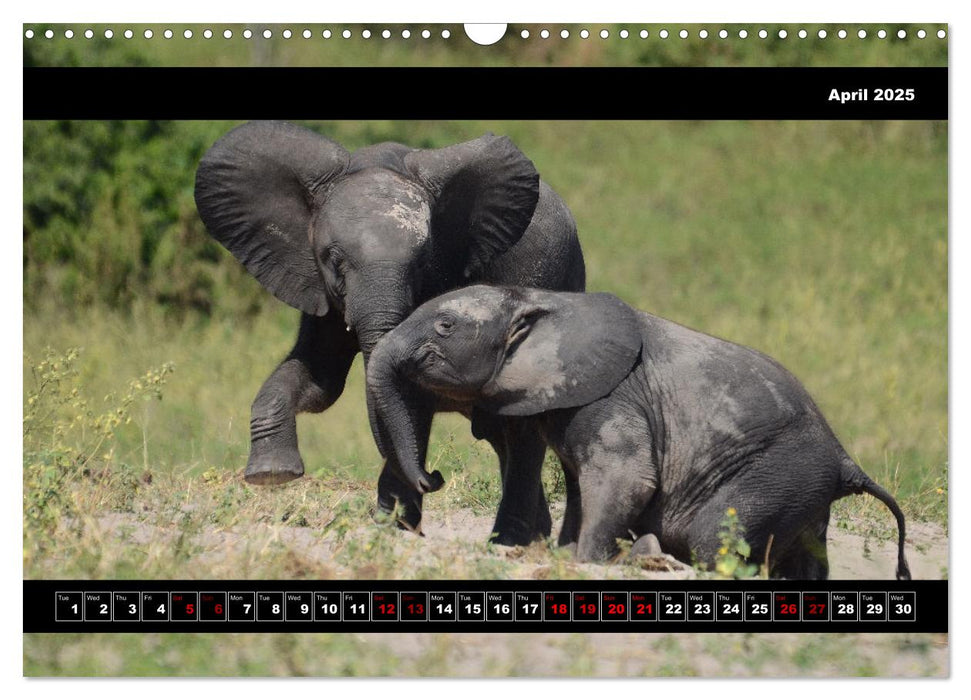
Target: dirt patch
[856, 556]
[454, 545]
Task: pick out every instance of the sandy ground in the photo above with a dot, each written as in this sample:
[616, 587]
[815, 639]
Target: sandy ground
[452, 535]
[459, 533]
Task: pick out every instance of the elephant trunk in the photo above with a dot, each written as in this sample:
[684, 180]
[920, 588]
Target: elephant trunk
[384, 300]
[396, 408]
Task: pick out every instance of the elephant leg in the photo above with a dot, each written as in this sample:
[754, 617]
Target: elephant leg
[523, 515]
[615, 496]
[806, 559]
[570, 530]
[310, 379]
[394, 490]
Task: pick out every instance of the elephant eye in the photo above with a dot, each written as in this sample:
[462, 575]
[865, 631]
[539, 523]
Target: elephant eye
[443, 326]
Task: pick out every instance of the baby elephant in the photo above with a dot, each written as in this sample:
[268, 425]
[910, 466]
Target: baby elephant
[660, 428]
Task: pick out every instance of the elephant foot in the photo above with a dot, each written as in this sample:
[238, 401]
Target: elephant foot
[409, 514]
[394, 494]
[381, 515]
[646, 546]
[515, 538]
[268, 469]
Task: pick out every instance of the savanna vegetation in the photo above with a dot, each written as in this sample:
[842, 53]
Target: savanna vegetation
[823, 244]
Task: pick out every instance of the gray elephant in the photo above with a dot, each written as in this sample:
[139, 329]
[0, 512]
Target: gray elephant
[660, 429]
[356, 242]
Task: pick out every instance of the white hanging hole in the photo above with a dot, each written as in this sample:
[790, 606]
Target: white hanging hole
[326, 34]
[584, 34]
[841, 33]
[49, 34]
[564, 34]
[109, 33]
[69, 34]
[604, 34]
[167, 33]
[386, 34]
[88, 34]
[703, 33]
[882, 34]
[405, 34]
[524, 34]
[683, 34]
[742, 34]
[643, 34]
[247, 34]
[227, 34]
[803, 33]
[287, 34]
[821, 33]
[129, 33]
[783, 33]
[207, 34]
[187, 34]
[663, 33]
[346, 33]
[267, 34]
[921, 34]
[624, 33]
[425, 34]
[446, 34]
[861, 33]
[148, 34]
[763, 34]
[366, 34]
[723, 34]
[485, 34]
[941, 34]
[545, 34]
[307, 34]
[29, 34]
[901, 34]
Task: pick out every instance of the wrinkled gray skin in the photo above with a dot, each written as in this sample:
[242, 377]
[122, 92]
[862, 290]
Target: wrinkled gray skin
[660, 428]
[356, 241]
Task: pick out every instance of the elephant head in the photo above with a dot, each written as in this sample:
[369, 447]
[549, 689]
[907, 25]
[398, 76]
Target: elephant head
[506, 350]
[369, 234]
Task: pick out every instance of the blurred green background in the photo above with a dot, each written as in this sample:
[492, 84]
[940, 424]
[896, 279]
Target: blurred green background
[823, 244]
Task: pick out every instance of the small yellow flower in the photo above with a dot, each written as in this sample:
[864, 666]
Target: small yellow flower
[940, 492]
[732, 511]
[723, 551]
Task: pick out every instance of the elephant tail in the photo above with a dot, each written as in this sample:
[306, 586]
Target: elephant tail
[854, 480]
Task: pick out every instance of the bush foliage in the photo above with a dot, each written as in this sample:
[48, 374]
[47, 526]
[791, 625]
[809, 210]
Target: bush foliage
[109, 217]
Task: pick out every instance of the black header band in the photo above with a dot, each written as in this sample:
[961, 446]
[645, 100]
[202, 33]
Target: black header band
[486, 93]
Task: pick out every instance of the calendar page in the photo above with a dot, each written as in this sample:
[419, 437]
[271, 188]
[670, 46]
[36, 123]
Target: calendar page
[485, 350]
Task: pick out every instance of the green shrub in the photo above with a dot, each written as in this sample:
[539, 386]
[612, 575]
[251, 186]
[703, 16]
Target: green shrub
[67, 441]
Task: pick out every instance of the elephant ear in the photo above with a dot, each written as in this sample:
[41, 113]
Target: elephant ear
[484, 191]
[255, 191]
[563, 350]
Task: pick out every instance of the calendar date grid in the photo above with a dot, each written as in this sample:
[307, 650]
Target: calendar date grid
[586, 606]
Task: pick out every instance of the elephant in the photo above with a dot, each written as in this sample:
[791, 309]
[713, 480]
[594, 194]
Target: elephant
[356, 241]
[660, 429]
